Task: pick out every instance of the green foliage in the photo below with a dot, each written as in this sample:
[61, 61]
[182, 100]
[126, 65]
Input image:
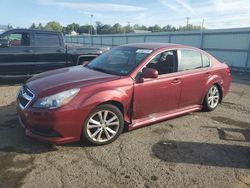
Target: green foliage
[71, 27]
[40, 26]
[117, 28]
[99, 28]
[155, 28]
[128, 29]
[84, 29]
[105, 29]
[140, 27]
[33, 26]
[169, 28]
[191, 27]
[55, 26]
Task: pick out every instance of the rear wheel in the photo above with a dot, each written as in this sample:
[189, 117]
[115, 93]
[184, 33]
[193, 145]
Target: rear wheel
[103, 125]
[212, 98]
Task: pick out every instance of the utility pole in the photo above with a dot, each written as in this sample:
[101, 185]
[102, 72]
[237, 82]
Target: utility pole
[91, 24]
[202, 24]
[129, 24]
[128, 27]
[188, 18]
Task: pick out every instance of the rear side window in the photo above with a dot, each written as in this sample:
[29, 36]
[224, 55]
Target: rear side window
[205, 60]
[190, 60]
[47, 40]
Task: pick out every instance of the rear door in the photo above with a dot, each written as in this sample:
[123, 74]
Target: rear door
[19, 56]
[194, 76]
[50, 51]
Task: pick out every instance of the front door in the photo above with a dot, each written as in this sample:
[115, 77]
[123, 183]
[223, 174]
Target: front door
[18, 57]
[50, 51]
[161, 94]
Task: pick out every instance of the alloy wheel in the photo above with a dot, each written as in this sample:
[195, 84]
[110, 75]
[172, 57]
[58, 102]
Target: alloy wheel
[213, 97]
[103, 126]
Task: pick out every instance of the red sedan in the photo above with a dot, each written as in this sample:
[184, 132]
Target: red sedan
[129, 86]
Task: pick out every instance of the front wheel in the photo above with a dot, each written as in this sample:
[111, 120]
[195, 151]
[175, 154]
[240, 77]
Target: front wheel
[103, 125]
[212, 98]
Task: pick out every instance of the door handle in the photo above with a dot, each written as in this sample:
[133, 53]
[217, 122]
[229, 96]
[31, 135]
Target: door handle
[176, 81]
[28, 51]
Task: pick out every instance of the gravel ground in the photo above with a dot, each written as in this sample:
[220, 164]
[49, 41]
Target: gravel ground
[196, 150]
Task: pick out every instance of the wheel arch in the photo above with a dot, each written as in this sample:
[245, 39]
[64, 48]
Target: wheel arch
[117, 104]
[119, 98]
[214, 80]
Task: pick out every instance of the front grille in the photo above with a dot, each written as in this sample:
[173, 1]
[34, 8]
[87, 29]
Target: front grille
[25, 96]
[23, 101]
[45, 132]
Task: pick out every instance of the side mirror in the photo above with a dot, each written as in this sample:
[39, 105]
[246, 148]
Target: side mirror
[149, 73]
[4, 43]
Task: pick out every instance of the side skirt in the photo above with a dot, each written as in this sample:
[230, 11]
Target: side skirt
[153, 118]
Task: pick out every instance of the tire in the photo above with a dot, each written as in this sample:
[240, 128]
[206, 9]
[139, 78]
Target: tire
[103, 125]
[212, 98]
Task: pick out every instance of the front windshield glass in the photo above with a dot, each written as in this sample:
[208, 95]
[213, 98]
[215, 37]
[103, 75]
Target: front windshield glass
[119, 61]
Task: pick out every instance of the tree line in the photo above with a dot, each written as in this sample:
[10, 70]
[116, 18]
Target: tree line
[100, 28]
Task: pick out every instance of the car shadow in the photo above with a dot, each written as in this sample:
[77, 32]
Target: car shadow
[12, 135]
[13, 138]
[208, 154]
[17, 151]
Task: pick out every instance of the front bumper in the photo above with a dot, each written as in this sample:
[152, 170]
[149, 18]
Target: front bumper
[56, 126]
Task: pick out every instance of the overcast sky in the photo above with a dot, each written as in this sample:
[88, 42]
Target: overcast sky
[216, 13]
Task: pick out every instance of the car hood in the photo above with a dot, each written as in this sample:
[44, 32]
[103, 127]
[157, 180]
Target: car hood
[55, 81]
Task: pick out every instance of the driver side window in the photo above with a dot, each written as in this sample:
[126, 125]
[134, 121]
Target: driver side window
[165, 62]
[18, 39]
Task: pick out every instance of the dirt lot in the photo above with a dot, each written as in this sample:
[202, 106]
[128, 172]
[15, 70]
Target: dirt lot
[196, 150]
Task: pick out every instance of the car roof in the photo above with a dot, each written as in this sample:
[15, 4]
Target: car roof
[155, 46]
[31, 30]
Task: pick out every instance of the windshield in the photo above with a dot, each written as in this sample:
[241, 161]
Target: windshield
[119, 61]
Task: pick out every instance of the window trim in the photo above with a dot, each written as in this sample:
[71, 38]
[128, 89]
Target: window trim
[181, 65]
[209, 59]
[161, 75]
[26, 32]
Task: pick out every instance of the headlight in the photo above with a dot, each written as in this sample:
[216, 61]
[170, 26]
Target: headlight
[57, 100]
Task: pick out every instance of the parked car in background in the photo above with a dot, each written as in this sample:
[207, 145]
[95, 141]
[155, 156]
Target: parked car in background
[27, 51]
[129, 86]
